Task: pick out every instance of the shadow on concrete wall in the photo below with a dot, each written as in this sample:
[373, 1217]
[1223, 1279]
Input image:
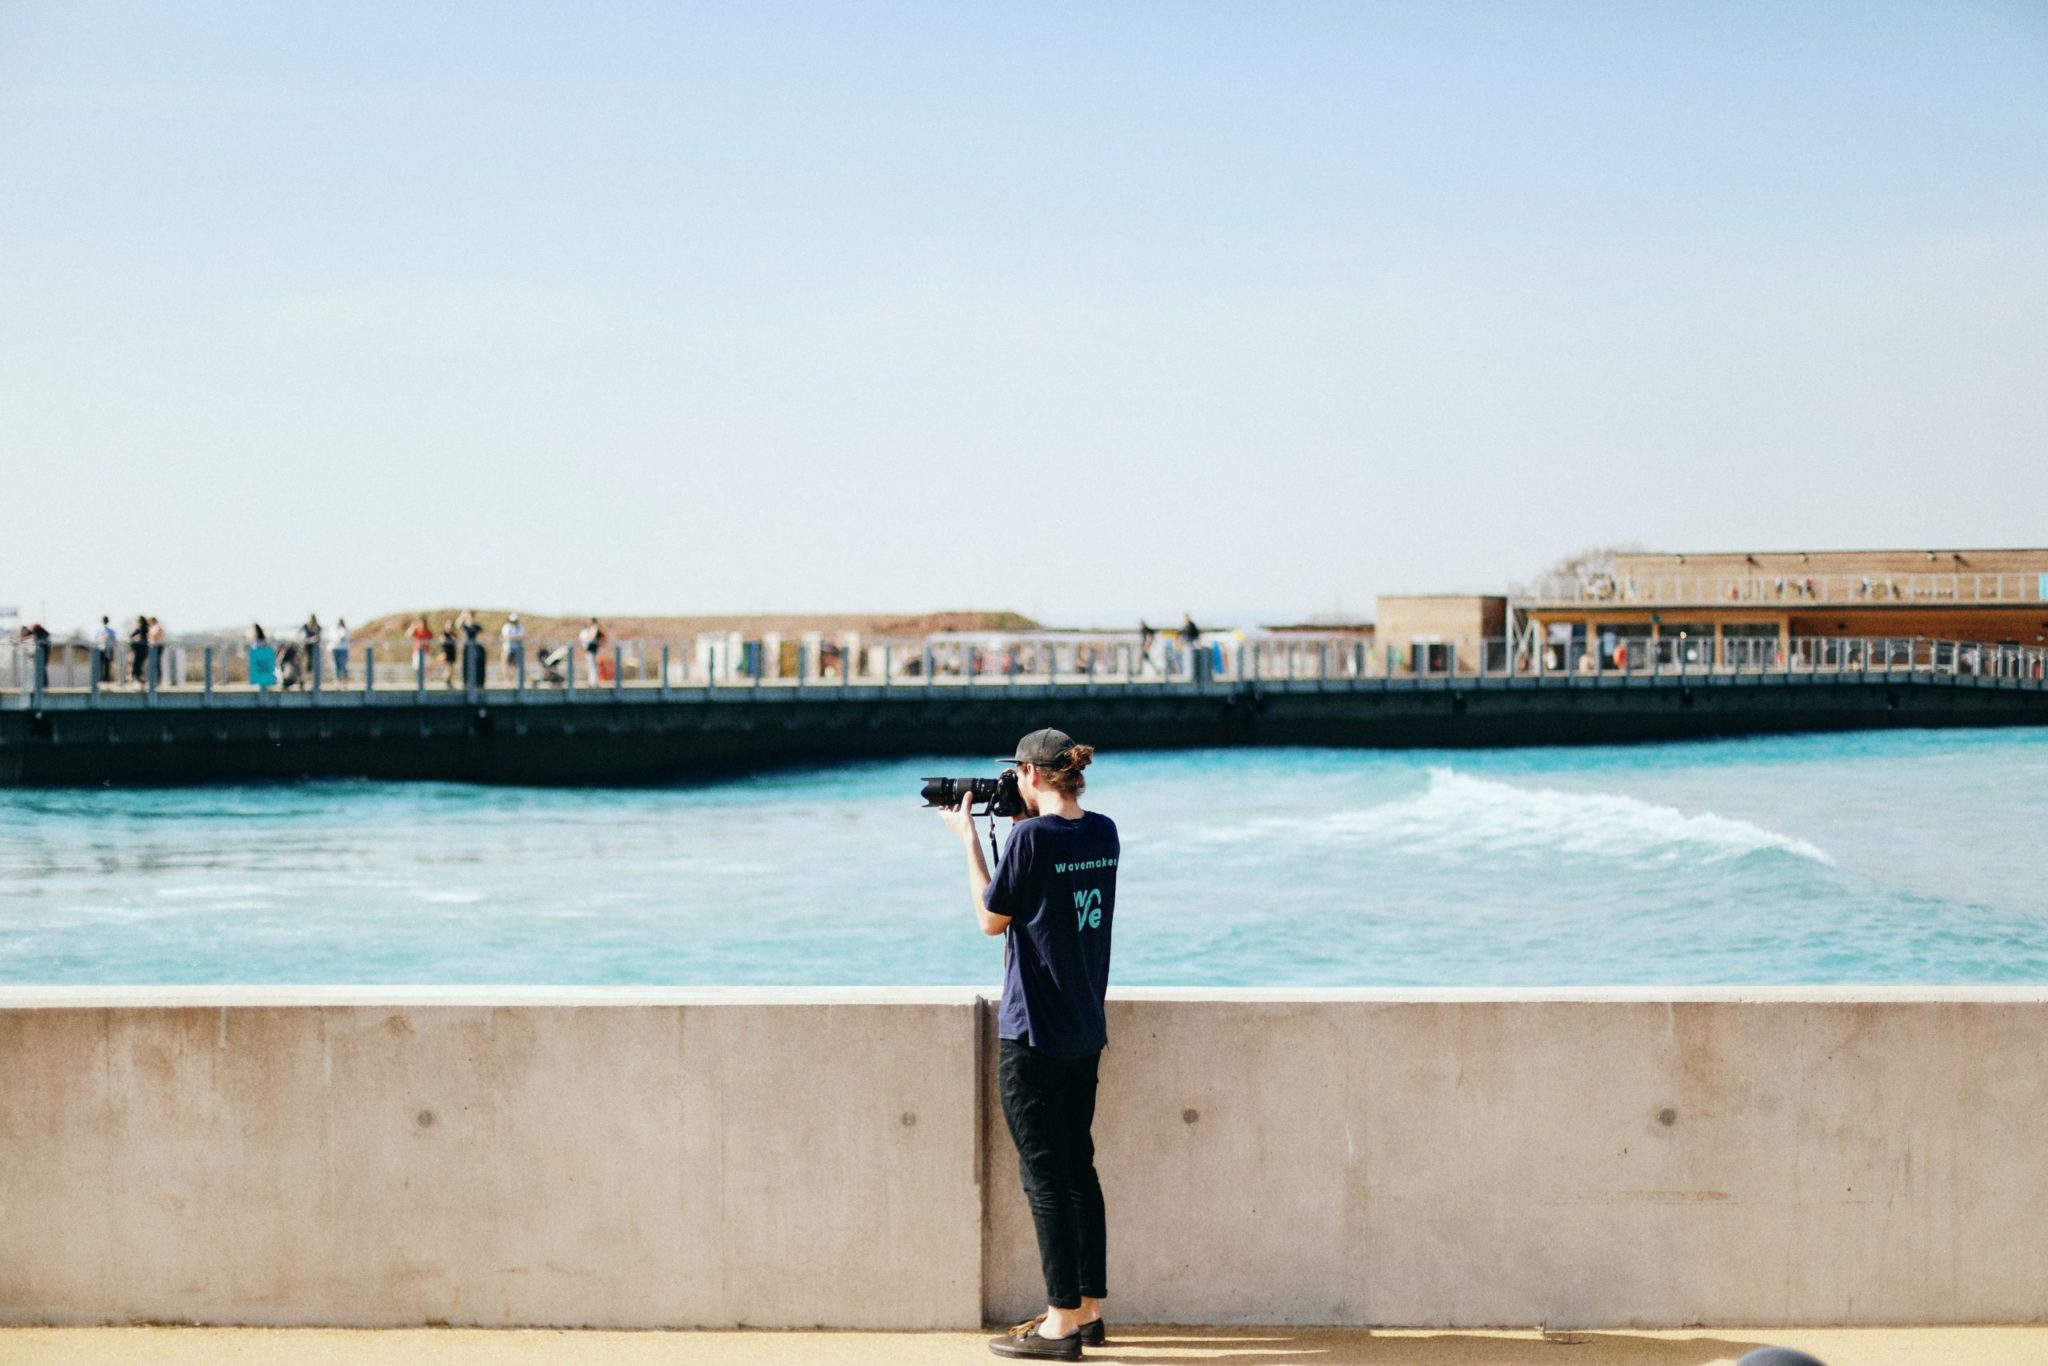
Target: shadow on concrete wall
[1342, 1347]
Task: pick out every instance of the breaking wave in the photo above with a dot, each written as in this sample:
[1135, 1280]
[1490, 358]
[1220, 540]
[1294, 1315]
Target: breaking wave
[1461, 814]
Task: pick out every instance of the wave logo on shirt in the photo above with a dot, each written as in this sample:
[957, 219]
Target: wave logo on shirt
[1088, 909]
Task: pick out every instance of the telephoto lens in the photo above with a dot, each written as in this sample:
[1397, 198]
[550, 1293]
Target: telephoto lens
[949, 791]
[998, 795]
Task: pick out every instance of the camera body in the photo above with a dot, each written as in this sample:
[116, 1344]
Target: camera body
[999, 796]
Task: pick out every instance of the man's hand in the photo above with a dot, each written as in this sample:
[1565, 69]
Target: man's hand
[960, 819]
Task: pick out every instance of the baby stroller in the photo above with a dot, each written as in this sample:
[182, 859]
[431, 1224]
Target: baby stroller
[554, 665]
[291, 665]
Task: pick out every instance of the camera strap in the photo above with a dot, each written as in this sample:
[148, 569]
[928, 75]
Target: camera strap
[993, 857]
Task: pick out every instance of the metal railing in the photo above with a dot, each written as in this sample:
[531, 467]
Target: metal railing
[1802, 655]
[288, 666]
[227, 673]
[1774, 589]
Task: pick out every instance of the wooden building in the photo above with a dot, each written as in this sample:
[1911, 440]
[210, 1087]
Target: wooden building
[1756, 603]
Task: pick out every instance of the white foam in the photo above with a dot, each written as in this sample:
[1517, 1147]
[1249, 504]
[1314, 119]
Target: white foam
[1462, 814]
[215, 890]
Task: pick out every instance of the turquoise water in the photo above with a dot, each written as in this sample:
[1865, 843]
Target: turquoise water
[1904, 856]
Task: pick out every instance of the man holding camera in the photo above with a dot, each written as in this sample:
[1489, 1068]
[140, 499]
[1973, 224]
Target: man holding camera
[1054, 896]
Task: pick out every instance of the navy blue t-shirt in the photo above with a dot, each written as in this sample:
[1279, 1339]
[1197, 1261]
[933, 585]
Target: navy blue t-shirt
[1057, 883]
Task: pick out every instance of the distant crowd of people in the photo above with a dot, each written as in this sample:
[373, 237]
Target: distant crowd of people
[145, 653]
[1188, 634]
[314, 654]
[143, 666]
[458, 649]
[292, 661]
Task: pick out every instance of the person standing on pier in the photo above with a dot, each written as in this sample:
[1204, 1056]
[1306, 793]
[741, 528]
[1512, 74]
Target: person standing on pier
[473, 656]
[138, 651]
[448, 653]
[156, 639]
[592, 638]
[513, 636]
[338, 645]
[422, 637]
[314, 638]
[38, 636]
[103, 644]
[1054, 896]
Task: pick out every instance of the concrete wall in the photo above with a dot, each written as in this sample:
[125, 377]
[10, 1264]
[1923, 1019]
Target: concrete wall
[663, 1158]
[611, 1159]
[639, 736]
[1580, 1159]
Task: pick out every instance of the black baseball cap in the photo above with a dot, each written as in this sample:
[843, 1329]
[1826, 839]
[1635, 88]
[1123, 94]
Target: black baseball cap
[1045, 748]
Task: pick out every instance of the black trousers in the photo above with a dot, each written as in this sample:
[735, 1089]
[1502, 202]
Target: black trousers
[1050, 1106]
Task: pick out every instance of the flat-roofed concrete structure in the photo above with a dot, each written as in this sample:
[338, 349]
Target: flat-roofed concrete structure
[1758, 602]
[1437, 633]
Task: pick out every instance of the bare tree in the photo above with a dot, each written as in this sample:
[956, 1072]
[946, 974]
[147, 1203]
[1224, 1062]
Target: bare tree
[1575, 572]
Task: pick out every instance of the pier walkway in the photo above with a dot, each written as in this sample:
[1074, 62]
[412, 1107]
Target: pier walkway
[1156, 1346]
[672, 723]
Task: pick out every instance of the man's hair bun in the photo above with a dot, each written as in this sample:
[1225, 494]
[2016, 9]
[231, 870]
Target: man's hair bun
[1067, 777]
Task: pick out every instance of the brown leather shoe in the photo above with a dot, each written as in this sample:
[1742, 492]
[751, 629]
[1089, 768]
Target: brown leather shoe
[1093, 1333]
[1024, 1341]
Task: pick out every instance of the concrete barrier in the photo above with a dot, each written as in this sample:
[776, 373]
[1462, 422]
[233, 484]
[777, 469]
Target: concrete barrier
[1787, 1156]
[612, 1159]
[781, 1158]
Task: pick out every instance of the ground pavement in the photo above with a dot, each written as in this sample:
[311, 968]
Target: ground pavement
[1155, 1346]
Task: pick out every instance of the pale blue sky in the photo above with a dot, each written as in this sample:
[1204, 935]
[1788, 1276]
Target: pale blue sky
[1258, 309]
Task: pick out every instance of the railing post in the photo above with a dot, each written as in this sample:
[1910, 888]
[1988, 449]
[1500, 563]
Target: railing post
[888, 666]
[206, 686]
[369, 669]
[569, 653]
[618, 669]
[419, 674]
[927, 667]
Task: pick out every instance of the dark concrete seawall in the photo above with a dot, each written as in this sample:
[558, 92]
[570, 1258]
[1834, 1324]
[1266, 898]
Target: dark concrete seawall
[646, 735]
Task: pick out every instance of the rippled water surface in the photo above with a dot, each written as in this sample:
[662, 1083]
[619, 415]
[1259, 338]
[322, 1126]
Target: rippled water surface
[1906, 856]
